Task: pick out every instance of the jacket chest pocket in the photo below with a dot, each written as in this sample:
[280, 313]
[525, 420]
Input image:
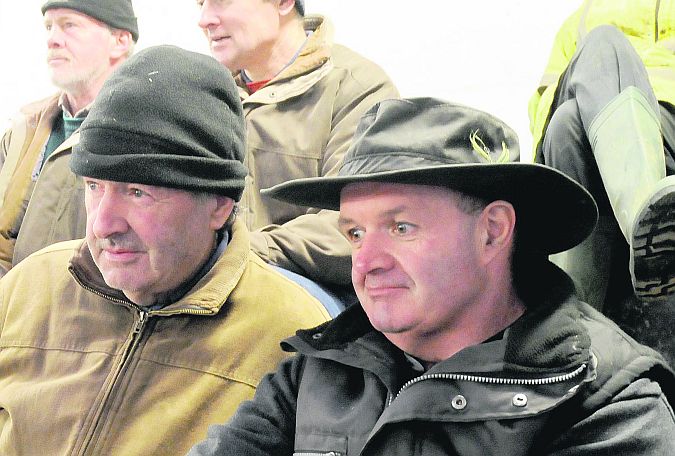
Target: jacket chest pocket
[269, 166]
[286, 141]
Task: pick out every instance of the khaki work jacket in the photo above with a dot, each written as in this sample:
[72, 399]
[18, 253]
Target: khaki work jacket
[21, 149]
[84, 371]
[300, 125]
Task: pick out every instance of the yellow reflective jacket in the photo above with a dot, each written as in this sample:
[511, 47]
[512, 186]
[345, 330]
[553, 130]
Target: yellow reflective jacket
[83, 371]
[649, 25]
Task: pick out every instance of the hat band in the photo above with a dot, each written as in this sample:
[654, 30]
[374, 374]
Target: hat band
[396, 161]
[116, 156]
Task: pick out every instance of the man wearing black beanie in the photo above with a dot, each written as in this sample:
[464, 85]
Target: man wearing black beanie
[86, 41]
[162, 320]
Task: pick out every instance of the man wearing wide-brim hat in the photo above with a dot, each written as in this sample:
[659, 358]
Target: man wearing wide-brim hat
[466, 340]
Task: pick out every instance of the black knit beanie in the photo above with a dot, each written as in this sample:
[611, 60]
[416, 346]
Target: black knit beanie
[116, 13]
[166, 117]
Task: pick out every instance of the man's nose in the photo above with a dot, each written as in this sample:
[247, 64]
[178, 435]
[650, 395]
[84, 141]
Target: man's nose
[109, 216]
[207, 17]
[54, 37]
[373, 253]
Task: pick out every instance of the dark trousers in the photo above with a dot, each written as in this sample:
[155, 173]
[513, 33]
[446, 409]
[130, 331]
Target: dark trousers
[603, 66]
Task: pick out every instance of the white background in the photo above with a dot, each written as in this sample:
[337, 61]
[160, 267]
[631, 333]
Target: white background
[485, 53]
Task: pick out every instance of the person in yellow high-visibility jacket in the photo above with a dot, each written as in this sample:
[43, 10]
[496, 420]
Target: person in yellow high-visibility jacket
[604, 114]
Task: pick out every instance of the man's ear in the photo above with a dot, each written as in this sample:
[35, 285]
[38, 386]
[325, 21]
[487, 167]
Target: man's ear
[222, 211]
[122, 44]
[286, 7]
[497, 223]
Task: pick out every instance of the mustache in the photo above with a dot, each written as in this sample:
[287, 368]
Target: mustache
[377, 282]
[56, 54]
[119, 242]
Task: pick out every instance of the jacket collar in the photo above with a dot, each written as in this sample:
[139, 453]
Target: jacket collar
[207, 296]
[316, 50]
[67, 145]
[548, 337]
[311, 65]
[65, 107]
[46, 108]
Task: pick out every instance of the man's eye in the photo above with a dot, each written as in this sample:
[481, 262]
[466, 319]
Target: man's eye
[92, 186]
[355, 234]
[137, 193]
[402, 228]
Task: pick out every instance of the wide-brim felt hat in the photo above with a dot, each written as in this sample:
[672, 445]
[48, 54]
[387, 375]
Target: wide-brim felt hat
[426, 141]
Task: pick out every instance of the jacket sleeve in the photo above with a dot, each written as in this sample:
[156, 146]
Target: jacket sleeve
[6, 240]
[262, 426]
[4, 145]
[312, 245]
[637, 421]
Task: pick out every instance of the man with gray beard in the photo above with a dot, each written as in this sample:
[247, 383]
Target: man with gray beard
[86, 40]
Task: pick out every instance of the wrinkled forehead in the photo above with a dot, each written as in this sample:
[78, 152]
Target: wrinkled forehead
[59, 13]
[368, 190]
[60, 16]
[371, 201]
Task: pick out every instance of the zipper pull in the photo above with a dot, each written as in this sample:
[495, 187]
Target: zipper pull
[143, 317]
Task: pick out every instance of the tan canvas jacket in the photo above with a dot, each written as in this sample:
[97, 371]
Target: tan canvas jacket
[301, 125]
[85, 372]
[21, 148]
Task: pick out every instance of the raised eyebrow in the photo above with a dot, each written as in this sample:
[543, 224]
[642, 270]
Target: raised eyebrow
[395, 211]
[386, 214]
[343, 221]
[73, 18]
[144, 187]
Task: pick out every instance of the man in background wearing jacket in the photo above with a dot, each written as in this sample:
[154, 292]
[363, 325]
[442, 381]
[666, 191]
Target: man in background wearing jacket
[303, 96]
[86, 41]
[467, 340]
[163, 320]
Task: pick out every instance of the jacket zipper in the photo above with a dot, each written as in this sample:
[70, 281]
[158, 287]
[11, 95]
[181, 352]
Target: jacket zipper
[121, 367]
[164, 313]
[136, 334]
[491, 380]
